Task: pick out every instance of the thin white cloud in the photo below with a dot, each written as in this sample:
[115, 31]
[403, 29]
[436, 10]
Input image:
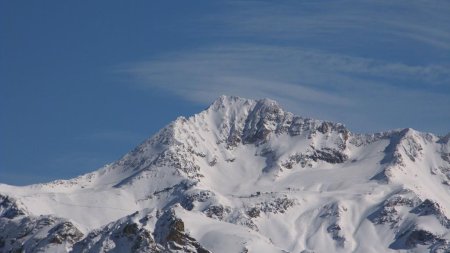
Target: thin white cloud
[251, 71]
[247, 66]
[310, 82]
[421, 21]
[343, 60]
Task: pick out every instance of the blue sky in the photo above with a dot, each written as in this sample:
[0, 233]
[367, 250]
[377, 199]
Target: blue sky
[83, 82]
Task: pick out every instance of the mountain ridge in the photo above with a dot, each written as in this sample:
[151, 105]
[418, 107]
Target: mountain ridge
[246, 167]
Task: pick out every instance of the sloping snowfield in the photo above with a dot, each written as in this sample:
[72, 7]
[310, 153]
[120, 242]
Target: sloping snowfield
[245, 176]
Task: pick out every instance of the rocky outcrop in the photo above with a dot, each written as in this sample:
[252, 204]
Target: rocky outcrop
[274, 205]
[328, 155]
[416, 237]
[429, 207]
[9, 208]
[233, 175]
[170, 232]
[389, 211]
[332, 213]
[37, 234]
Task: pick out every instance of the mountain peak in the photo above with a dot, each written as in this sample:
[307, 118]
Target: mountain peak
[225, 101]
[245, 176]
[230, 101]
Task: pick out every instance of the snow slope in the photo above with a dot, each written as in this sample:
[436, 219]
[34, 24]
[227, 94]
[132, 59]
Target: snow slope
[245, 176]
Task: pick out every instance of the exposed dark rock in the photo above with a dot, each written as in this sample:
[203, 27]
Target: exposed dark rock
[413, 237]
[333, 228]
[429, 207]
[302, 159]
[217, 211]
[65, 232]
[131, 236]
[170, 233]
[265, 113]
[392, 156]
[324, 127]
[23, 233]
[179, 157]
[385, 215]
[444, 139]
[276, 205]
[420, 237]
[335, 231]
[213, 162]
[9, 208]
[176, 232]
[388, 213]
[130, 229]
[332, 210]
[446, 157]
[332, 213]
[233, 139]
[253, 212]
[329, 155]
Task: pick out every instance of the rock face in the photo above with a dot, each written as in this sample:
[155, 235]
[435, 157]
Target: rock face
[38, 234]
[245, 176]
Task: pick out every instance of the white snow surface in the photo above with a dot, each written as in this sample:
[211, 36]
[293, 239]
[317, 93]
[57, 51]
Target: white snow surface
[246, 176]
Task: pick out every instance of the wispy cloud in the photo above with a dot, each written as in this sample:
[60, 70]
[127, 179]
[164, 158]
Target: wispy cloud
[272, 63]
[321, 84]
[361, 62]
[363, 20]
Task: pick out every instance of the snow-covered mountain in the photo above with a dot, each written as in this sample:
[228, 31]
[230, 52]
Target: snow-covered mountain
[245, 176]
